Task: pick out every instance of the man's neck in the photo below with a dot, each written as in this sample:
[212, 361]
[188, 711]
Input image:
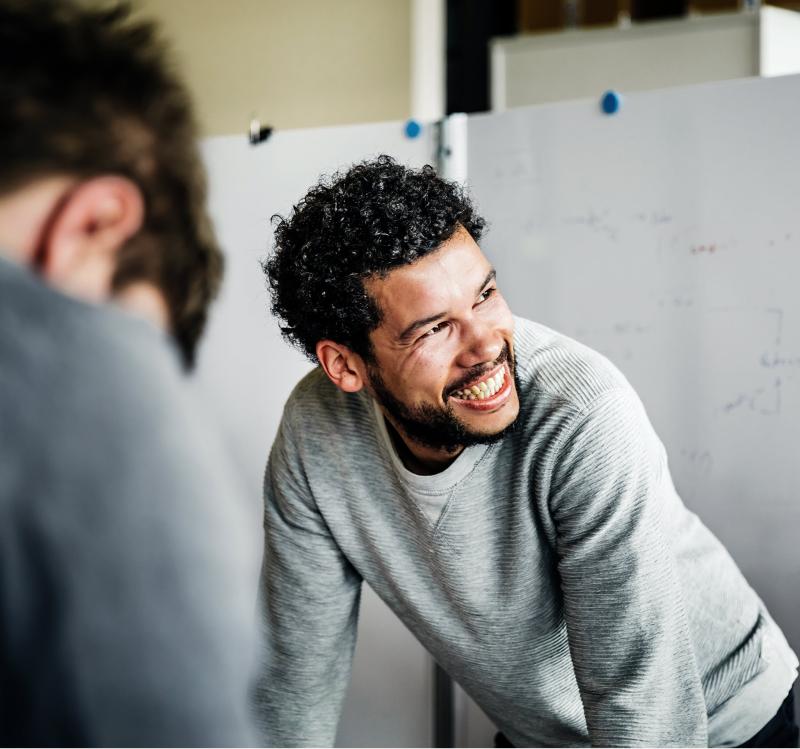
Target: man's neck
[417, 458]
[144, 300]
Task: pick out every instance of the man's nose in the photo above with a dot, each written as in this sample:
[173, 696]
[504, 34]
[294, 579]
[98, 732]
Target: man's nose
[482, 344]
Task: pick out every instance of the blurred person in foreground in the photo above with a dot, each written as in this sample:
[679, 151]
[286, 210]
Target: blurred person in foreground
[125, 602]
[499, 486]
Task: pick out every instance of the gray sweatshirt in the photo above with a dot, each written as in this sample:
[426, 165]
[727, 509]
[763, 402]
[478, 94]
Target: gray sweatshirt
[556, 575]
[127, 570]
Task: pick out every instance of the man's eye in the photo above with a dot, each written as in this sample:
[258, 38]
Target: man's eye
[486, 294]
[434, 330]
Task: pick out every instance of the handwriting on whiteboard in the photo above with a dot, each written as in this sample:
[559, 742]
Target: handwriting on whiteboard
[663, 232]
[777, 357]
[700, 249]
[763, 400]
[653, 218]
[594, 221]
[701, 460]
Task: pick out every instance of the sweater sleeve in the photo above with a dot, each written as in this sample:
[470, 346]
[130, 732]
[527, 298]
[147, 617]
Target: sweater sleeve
[309, 598]
[623, 606]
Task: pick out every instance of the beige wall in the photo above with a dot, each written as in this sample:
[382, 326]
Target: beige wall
[292, 63]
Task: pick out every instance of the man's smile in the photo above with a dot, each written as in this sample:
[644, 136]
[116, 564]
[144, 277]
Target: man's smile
[486, 394]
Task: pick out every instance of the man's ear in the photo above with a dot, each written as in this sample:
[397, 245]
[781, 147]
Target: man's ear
[345, 369]
[80, 252]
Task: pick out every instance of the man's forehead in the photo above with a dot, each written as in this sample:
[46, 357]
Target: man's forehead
[430, 286]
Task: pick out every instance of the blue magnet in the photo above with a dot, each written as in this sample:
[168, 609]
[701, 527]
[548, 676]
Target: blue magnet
[413, 129]
[611, 102]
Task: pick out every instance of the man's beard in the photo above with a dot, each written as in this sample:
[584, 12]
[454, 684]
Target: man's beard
[436, 427]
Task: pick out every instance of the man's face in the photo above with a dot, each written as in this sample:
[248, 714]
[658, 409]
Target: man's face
[443, 365]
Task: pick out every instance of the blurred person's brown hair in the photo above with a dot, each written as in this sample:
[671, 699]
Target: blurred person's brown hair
[88, 91]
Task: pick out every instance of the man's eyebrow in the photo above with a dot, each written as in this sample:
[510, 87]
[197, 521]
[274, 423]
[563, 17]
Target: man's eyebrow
[408, 333]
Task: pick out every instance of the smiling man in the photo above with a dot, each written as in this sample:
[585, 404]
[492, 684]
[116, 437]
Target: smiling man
[499, 486]
[459, 394]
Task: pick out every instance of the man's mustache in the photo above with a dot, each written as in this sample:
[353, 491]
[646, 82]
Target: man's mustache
[479, 371]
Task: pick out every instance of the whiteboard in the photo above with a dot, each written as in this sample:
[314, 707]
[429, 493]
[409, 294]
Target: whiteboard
[667, 236]
[246, 372]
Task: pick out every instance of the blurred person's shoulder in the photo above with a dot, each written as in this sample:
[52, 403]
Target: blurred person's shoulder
[123, 519]
[91, 395]
[65, 359]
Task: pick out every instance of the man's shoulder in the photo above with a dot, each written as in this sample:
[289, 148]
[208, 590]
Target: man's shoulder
[553, 364]
[313, 387]
[316, 405]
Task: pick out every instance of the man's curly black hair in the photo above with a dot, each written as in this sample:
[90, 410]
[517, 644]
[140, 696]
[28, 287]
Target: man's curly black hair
[364, 222]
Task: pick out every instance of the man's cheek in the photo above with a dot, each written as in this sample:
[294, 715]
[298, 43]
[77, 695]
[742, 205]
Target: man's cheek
[427, 379]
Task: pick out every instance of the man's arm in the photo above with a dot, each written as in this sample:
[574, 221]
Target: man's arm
[309, 602]
[623, 604]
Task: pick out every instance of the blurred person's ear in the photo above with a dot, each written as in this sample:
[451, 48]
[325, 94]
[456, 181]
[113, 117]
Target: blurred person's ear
[78, 252]
[69, 232]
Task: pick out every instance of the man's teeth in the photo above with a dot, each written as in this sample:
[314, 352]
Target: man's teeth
[484, 389]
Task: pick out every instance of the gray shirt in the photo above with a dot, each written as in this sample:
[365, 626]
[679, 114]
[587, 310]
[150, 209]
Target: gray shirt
[556, 575]
[126, 612]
